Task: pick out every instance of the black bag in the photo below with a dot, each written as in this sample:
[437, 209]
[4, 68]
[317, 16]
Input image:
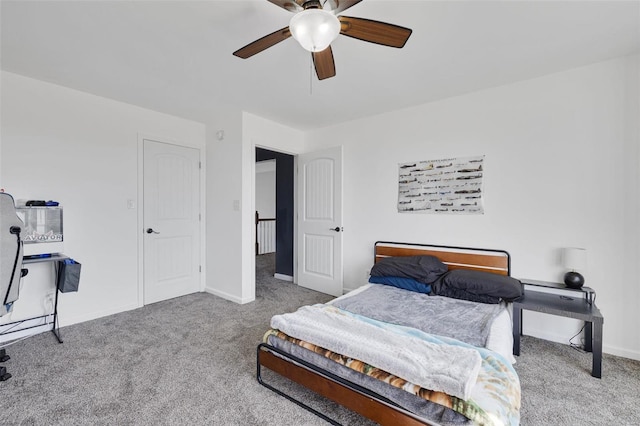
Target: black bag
[68, 275]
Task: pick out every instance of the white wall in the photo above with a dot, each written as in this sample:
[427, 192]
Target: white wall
[268, 134]
[259, 132]
[231, 197]
[225, 206]
[82, 150]
[266, 205]
[266, 188]
[561, 169]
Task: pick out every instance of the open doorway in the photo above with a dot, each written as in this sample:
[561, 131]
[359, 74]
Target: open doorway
[274, 200]
[265, 202]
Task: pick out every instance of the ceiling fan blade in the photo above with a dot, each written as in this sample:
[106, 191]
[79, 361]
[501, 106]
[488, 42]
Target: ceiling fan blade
[338, 6]
[323, 61]
[374, 31]
[263, 43]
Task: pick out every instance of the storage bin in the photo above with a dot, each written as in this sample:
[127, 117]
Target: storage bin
[68, 275]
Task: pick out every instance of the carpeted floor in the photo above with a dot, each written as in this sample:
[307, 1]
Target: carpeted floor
[191, 361]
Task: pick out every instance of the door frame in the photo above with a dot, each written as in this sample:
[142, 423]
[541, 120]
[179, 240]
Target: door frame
[139, 206]
[295, 203]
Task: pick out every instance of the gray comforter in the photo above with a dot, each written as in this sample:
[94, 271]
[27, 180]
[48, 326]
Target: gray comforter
[468, 322]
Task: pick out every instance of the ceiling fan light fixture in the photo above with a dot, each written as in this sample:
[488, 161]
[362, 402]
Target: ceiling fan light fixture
[314, 29]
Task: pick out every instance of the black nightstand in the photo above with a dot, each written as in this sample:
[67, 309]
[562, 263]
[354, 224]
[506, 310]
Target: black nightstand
[573, 303]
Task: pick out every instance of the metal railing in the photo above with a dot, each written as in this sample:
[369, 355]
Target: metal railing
[265, 235]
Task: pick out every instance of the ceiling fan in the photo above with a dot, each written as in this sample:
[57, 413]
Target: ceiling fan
[316, 24]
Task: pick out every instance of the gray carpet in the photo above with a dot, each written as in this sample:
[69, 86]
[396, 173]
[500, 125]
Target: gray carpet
[191, 361]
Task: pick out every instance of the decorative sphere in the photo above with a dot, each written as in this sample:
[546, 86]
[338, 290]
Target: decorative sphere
[573, 279]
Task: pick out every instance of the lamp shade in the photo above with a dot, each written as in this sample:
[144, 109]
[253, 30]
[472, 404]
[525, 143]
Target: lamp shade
[574, 258]
[314, 29]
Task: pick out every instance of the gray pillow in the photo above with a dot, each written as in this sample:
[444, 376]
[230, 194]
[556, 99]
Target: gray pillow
[478, 283]
[425, 269]
[457, 293]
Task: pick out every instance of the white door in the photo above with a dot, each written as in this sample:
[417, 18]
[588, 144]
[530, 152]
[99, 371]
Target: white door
[171, 221]
[320, 221]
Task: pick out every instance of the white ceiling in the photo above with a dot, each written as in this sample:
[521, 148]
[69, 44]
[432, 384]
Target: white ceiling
[176, 56]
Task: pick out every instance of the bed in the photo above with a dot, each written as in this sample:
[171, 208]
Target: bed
[400, 355]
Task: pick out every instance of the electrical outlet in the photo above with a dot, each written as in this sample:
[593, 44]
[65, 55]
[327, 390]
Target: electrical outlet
[48, 302]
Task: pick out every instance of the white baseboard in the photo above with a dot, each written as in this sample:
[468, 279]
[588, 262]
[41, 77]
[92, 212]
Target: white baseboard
[283, 277]
[64, 320]
[544, 335]
[228, 296]
[607, 349]
[33, 326]
[625, 353]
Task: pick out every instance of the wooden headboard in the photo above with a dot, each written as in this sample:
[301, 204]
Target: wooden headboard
[487, 260]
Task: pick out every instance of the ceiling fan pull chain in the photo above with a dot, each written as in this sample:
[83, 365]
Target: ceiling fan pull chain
[311, 74]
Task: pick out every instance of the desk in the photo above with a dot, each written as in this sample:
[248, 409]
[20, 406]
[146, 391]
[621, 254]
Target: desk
[55, 329]
[575, 303]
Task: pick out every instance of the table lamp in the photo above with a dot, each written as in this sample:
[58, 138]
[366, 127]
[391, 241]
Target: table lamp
[574, 258]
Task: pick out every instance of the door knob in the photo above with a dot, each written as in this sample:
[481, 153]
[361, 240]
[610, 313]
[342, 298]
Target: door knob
[337, 229]
[151, 231]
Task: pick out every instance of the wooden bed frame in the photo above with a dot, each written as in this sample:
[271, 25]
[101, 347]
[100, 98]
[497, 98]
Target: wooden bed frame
[350, 395]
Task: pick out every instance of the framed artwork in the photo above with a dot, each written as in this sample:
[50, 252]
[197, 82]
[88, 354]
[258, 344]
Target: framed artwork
[447, 186]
